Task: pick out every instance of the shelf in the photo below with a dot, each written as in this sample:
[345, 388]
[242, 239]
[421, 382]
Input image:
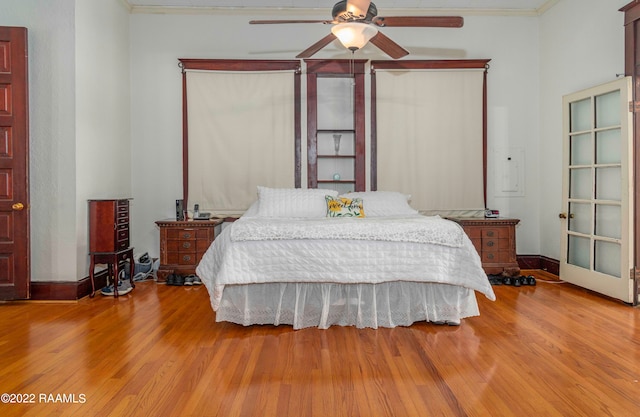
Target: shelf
[336, 181]
[336, 156]
[335, 131]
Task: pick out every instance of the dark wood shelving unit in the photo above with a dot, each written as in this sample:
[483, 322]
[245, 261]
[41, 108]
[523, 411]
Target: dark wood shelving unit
[350, 166]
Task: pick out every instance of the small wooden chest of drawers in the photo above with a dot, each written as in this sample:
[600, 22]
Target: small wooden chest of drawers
[108, 225]
[109, 241]
[183, 243]
[495, 241]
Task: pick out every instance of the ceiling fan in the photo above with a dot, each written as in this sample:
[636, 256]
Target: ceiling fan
[356, 22]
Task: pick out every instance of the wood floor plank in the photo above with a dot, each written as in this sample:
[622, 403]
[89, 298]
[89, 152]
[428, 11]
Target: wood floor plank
[552, 350]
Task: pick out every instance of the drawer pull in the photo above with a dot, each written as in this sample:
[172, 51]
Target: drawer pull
[186, 245]
[490, 243]
[186, 258]
[490, 233]
[186, 236]
[490, 255]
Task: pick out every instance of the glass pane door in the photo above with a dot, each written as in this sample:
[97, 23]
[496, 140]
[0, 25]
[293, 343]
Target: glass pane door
[596, 249]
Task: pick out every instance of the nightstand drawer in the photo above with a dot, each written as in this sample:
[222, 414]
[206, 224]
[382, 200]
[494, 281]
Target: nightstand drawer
[181, 234]
[181, 245]
[495, 257]
[495, 244]
[181, 258]
[187, 234]
[490, 233]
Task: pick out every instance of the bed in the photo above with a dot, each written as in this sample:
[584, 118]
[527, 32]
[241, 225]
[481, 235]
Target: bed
[312, 258]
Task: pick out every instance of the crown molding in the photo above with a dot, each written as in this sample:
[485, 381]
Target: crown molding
[315, 12]
[546, 6]
[126, 4]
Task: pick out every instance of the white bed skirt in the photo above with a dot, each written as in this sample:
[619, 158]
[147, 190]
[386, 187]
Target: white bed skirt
[387, 304]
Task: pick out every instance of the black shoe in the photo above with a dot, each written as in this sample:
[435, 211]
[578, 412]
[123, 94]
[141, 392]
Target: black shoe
[179, 280]
[507, 281]
[531, 280]
[523, 280]
[170, 279]
[517, 282]
[495, 280]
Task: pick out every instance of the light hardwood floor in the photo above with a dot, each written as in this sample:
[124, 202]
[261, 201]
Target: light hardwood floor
[549, 350]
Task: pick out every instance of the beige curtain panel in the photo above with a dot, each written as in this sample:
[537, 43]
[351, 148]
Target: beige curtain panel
[429, 137]
[241, 135]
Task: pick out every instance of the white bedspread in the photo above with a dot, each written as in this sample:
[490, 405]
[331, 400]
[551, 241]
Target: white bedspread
[418, 229]
[346, 261]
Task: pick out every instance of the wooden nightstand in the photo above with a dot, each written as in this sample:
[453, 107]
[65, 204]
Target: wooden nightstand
[495, 241]
[182, 244]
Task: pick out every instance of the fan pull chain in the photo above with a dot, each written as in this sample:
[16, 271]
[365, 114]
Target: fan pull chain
[353, 80]
[352, 68]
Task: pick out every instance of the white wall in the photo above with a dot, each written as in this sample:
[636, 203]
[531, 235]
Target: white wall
[103, 111]
[157, 41]
[51, 32]
[581, 45]
[79, 119]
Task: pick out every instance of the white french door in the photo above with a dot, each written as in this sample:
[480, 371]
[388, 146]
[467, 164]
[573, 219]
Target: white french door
[597, 218]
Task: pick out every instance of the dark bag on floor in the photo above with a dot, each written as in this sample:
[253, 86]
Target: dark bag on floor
[143, 268]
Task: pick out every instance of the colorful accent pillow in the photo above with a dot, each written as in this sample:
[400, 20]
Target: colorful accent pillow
[344, 207]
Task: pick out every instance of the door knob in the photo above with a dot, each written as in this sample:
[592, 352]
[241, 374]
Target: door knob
[18, 206]
[564, 215]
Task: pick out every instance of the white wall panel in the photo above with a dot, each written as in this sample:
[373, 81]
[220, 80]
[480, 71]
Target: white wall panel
[581, 45]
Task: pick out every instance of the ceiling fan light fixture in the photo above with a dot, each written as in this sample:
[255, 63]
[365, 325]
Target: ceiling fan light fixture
[354, 35]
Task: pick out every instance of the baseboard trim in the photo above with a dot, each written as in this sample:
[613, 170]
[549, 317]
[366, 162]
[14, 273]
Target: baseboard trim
[66, 290]
[69, 290]
[543, 263]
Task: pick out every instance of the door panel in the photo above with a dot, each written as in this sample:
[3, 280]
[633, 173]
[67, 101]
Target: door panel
[597, 251]
[14, 166]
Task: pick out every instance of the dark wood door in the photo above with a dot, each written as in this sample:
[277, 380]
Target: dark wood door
[14, 165]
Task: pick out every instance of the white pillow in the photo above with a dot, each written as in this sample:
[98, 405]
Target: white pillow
[253, 210]
[384, 203]
[293, 202]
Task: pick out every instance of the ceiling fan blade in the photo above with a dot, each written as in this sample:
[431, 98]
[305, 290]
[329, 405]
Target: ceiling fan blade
[388, 46]
[277, 22]
[358, 8]
[307, 53]
[420, 21]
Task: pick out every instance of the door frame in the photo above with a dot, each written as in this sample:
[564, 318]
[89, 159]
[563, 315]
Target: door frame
[631, 57]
